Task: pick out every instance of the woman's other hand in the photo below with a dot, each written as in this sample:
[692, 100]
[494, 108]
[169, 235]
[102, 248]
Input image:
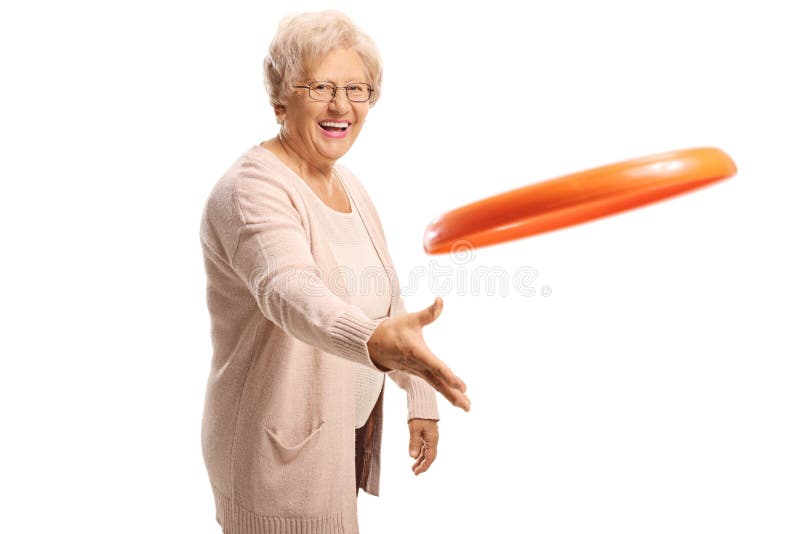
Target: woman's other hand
[423, 441]
[397, 343]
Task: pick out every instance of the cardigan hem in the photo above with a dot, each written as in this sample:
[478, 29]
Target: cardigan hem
[235, 519]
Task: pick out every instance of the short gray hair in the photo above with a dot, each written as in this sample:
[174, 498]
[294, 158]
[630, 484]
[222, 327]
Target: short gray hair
[305, 36]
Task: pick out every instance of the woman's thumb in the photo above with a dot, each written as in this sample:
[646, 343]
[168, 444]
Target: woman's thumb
[432, 312]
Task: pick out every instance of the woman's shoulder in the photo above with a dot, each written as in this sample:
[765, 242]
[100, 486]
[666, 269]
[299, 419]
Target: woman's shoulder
[252, 188]
[257, 168]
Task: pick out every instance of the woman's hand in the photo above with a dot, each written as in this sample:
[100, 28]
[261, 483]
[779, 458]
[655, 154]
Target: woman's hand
[423, 440]
[397, 343]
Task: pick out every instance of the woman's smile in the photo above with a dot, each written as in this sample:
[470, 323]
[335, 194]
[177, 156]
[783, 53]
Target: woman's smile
[335, 129]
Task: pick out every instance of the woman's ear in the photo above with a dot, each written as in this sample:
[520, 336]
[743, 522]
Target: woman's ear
[280, 113]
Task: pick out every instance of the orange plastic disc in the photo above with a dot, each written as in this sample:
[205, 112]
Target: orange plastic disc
[576, 198]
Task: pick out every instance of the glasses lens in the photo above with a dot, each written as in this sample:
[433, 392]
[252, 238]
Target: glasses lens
[321, 90]
[358, 92]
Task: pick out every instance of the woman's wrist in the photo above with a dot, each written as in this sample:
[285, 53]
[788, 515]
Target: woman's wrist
[379, 366]
[374, 345]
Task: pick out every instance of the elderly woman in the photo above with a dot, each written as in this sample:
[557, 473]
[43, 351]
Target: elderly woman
[293, 410]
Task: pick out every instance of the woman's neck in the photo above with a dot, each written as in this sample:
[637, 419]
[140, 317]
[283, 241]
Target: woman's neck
[305, 169]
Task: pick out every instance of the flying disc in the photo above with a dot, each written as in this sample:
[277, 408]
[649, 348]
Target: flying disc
[576, 198]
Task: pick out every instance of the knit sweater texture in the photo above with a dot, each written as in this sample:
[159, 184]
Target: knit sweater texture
[279, 419]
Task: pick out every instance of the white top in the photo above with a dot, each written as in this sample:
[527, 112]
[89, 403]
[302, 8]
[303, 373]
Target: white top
[361, 272]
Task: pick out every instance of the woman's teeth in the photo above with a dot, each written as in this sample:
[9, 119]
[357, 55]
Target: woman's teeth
[329, 125]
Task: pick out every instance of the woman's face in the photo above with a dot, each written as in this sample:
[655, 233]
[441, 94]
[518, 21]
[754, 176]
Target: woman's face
[303, 117]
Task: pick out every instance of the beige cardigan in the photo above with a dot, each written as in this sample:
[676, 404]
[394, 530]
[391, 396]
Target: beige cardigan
[278, 428]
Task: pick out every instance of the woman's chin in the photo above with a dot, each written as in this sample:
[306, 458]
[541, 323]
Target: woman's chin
[333, 148]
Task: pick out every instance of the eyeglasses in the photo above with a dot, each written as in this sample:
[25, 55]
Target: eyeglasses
[326, 91]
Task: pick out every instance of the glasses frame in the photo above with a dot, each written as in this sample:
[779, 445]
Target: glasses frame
[336, 88]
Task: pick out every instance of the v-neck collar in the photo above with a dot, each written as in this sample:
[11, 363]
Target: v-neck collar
[369, 224]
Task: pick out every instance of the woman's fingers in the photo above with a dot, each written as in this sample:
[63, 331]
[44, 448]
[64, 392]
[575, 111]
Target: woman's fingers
[439, 375]
[442, 371]
[423, 461]
[454, 395]
[449, 376]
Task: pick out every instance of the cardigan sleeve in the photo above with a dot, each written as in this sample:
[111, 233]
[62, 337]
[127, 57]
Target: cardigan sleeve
[272, 257]
[421, 396]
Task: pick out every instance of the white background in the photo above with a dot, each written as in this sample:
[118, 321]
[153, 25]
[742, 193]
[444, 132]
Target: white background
[656, 389]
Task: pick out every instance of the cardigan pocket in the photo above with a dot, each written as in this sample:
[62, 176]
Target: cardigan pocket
[288, 448]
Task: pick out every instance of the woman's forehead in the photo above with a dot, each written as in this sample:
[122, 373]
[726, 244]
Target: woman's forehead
[338, 66]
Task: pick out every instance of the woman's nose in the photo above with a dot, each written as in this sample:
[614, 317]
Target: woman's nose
[340, 101]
